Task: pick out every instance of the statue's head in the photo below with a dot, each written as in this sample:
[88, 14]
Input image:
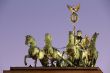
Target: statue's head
[79, 33]
[70, 34]
[87, 37]
[48, 38]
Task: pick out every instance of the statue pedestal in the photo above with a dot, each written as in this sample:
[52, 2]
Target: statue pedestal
[53, 70]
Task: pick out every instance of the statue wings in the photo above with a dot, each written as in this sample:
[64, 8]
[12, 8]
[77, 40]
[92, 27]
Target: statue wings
[73, 9]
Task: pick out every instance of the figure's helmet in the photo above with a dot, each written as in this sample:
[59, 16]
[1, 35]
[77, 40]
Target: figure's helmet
[70, 32]
[79, 33]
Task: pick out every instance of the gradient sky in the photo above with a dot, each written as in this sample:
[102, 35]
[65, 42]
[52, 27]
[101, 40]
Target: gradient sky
[36, 17]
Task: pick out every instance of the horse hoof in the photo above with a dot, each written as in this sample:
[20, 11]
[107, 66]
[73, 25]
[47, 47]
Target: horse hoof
[30, 66]
[25, 63]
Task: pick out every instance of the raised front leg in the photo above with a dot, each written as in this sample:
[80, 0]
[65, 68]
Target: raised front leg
[26, 56]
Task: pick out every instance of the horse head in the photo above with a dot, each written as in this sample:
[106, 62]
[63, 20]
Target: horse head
[93, 40]
[30, 40]
[95, 35]
[27, 39]
[48, 39]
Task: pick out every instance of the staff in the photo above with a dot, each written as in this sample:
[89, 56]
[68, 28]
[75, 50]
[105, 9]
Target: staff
[74, 16]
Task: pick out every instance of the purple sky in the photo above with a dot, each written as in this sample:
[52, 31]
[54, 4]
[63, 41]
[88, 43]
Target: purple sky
[36, 17]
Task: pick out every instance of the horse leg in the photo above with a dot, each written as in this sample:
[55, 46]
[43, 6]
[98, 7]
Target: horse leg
[95, 58]
[35, 62]
[44, 61]
[26, 56]
[52, 63]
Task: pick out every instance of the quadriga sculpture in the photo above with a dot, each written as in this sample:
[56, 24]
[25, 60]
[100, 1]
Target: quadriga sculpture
[80, 52]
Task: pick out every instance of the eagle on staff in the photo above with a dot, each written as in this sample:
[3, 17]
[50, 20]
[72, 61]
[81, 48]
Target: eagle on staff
[74, 10]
